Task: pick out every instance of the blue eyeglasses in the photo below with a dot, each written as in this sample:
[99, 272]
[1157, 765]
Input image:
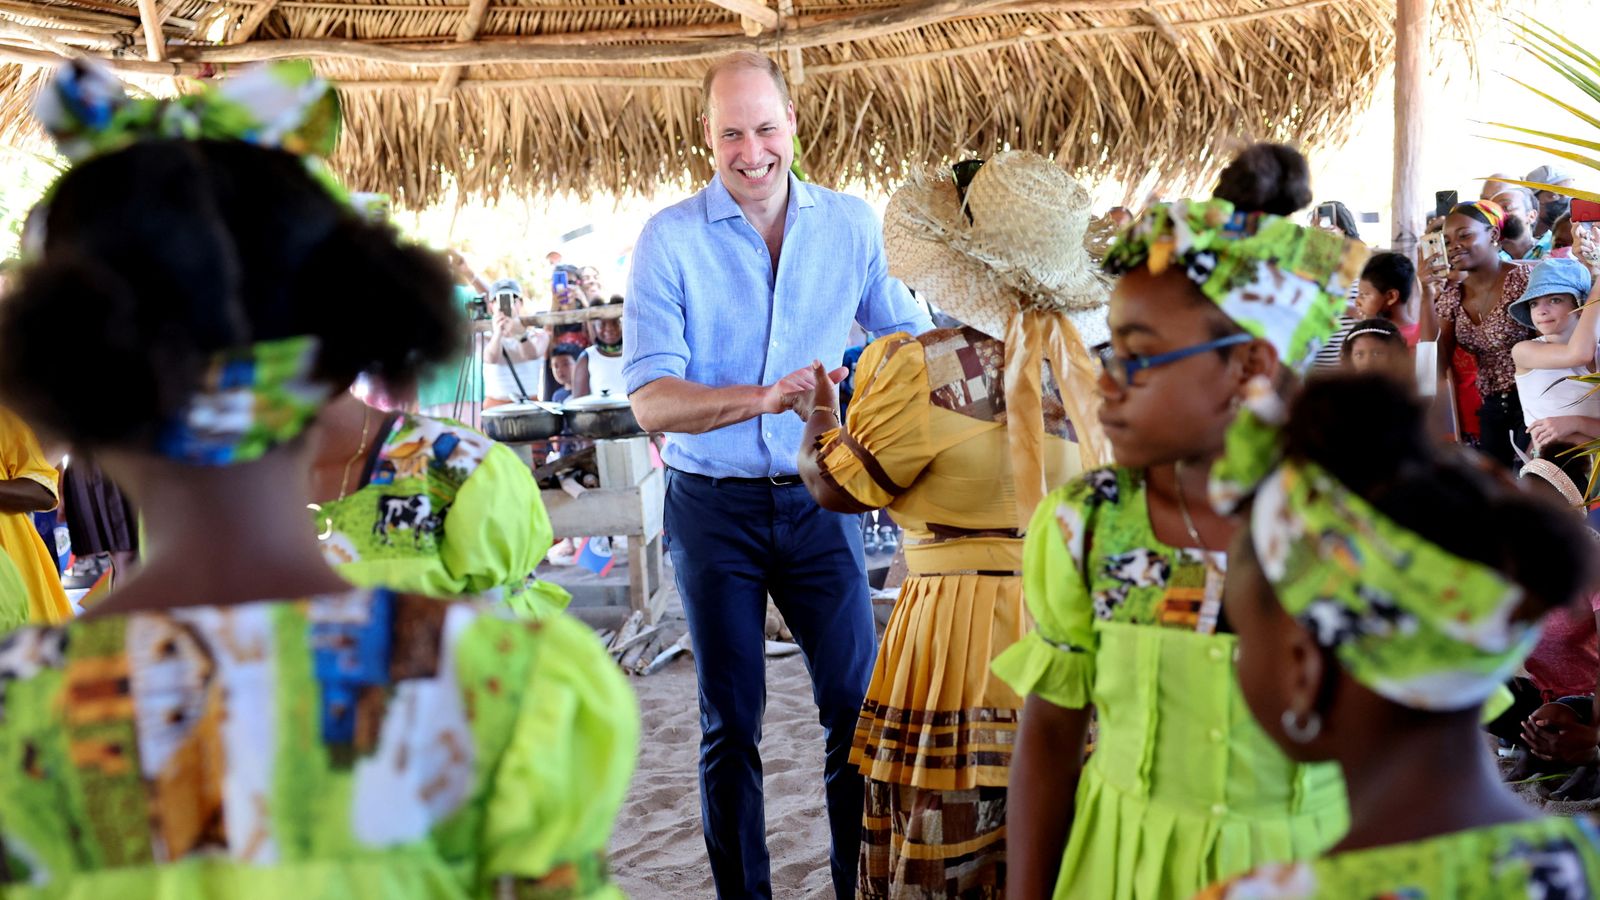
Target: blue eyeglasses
[1121, 369]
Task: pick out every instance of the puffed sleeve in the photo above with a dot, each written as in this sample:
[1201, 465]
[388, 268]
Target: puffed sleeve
[1056, 659]
[497, 529]
[886, 442]
[21, 456]
[565, 768]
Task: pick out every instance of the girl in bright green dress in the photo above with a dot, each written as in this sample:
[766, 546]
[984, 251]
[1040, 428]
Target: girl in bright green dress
[235, 720]
[1379, 599]
[429, 505]
[1123, 571]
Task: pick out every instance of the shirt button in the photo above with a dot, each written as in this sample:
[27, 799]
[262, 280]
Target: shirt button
[1218, 809]
[1217, 654]
[1216, 735]
[774, 343]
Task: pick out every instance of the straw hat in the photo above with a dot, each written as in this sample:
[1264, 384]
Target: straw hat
[1023, 247]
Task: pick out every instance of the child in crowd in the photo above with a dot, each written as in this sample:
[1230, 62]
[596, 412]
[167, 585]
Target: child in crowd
[1379, 599]
[563, 367]
[1565, 348]
[1123, 572]
[1375, 345]
[1386, 287]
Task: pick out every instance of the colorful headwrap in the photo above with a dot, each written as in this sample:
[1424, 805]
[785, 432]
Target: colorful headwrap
[254, 397]
[1282, 282]
[1488, 212]
[251, 399]
[279, 105]
[1407, 619]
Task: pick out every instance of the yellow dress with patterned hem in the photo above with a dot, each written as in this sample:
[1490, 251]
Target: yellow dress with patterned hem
[926, 438]
[21, 457]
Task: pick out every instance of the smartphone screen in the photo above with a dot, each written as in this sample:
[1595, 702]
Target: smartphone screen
[1443, 202]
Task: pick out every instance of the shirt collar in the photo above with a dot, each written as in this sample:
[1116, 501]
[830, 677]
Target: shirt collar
[721, 205]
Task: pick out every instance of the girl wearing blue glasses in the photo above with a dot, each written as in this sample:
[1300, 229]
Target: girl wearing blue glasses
[1123, 571]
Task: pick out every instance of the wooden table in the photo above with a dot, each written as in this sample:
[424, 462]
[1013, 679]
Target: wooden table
[629, 502]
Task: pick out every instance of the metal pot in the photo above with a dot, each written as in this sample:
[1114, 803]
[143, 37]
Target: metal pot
[523, 422]
[601, 416]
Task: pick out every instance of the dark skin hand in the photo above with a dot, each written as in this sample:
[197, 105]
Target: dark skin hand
[819, 407]
[24, 495]
[1554, 733]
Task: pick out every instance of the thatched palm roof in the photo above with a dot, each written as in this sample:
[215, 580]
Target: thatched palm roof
[551, 95]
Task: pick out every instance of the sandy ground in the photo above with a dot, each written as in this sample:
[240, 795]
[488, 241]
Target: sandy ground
[658, 851]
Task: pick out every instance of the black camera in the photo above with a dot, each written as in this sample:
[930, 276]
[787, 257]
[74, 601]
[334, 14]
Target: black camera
[478, 308]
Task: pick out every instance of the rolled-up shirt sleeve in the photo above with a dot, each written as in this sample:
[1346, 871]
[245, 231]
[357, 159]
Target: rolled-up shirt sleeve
[886, 304]
[653, 344]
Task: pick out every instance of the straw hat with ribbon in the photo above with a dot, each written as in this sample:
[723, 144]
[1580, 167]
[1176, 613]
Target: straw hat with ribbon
[1006, 256]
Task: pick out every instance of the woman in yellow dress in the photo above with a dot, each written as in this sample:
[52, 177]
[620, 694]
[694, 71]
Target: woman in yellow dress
[28, 485]
[959, 432]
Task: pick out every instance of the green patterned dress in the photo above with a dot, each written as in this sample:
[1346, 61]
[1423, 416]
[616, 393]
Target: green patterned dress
[1546, 859]
[368, 745]
[1183, 789]
[445, 511]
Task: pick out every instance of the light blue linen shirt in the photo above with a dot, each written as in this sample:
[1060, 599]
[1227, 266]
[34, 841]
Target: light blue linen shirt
[704, 305]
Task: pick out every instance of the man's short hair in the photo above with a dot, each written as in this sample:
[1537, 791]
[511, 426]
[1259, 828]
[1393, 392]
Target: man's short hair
[743, 59]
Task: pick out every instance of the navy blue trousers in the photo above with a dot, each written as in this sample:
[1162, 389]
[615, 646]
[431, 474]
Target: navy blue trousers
[732, 545]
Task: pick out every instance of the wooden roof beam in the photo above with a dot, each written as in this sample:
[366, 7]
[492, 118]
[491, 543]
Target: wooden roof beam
[154, 41]
[877, 23]
[247, 28]
[466, 33]
[753, 14]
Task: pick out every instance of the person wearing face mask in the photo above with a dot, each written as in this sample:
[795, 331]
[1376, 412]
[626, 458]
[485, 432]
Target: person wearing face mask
[1552, 205]
[733, 295]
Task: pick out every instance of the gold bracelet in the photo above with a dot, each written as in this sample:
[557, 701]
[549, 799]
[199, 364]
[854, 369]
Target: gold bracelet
[826, 409]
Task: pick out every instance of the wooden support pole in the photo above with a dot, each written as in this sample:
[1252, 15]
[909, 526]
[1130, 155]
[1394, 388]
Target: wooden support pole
[797, 65]
[465, 34]
[1410, 82]
[154, 41]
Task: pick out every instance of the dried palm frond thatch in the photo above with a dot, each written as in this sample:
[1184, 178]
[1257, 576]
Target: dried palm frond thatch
[544, 96]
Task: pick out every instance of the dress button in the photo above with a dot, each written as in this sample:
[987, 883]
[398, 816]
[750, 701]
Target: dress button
[1218, 809]
[1216, 735]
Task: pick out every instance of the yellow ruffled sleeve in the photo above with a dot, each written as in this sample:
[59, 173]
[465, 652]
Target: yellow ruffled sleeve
[1055, 661]
[564, 771]
[887, 442]
[497, 530]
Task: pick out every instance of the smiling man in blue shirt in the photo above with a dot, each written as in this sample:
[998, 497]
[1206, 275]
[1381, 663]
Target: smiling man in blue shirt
[733, 293]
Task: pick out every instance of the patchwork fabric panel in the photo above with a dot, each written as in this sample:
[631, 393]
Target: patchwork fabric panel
[967, 375]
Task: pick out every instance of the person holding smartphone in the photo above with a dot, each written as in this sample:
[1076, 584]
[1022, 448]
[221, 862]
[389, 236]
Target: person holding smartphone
[1474, 314]
[513, 357]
